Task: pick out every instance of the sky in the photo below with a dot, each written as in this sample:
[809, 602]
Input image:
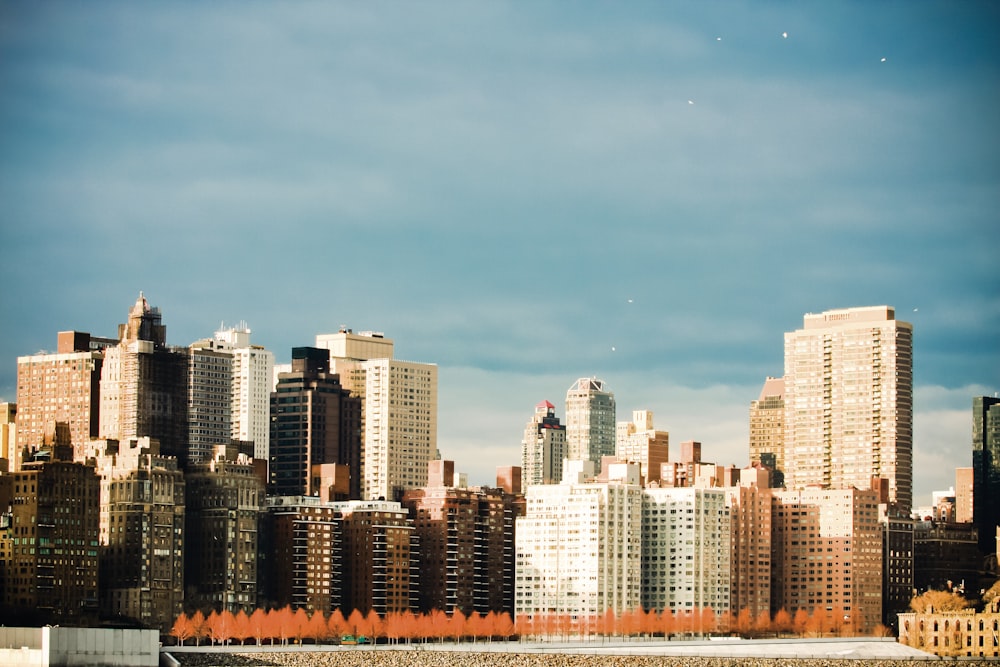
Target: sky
[523, 193]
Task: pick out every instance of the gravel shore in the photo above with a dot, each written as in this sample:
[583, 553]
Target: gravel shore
[462, 659]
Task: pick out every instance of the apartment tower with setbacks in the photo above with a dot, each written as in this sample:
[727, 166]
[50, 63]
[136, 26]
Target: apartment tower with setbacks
[849, 402]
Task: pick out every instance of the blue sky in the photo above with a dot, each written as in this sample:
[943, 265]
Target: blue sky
[512, 189]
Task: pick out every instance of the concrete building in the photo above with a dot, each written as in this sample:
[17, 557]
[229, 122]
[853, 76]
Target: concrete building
[579, 548]
[378, 557]
[986, 469]
[956, 634]
[210, 399]
[639, 442]
[897, 563]
[78, 647]
[323, 555]
[690, 470]
[964, 491]
[253, 369]
[466, 537]
[314, 422]
[543, 446]
[590, 421]
[49, 515]
[62, 387]
[142, 532]
[946, 556]
[767, 429]
[144, 388]
[826, 555]
[685, 565]
[399, 410]
[400, 430]
[849, 402]
[749, 504]
[8, 436]
[224, 498]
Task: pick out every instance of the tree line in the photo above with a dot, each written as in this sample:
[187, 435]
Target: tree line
[285, 625]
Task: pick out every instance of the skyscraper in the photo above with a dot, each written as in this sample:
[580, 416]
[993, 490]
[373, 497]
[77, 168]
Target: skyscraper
[63, 387]
[543, 447]
[590, 421]
[399, 410]
[314, 421]
[400, 426]
[142, 531]
[849, 402]
[144, 384]
[986, 469]
[767, 429]
[210, 399]
[225, 502]
[253, 367]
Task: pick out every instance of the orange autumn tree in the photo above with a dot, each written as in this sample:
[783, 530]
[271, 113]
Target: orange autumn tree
[354, 623]
[374, 626]
[437, 625]
[456, 625]
[337, 625]
[800, 621]
[182, 629]
[504, 626]
[762, 625]
[317, 628]
[668, 622]
[782, 621]
[198, 629]
[241, 627]
[258, 625]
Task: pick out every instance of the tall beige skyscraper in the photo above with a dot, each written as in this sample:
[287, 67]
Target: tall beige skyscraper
[590, 421]
[398, 413]
[767, 429]
[849, 402]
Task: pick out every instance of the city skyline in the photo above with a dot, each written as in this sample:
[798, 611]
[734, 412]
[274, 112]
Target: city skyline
[523, 195]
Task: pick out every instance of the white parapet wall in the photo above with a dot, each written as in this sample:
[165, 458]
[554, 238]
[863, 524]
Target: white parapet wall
[71, 647]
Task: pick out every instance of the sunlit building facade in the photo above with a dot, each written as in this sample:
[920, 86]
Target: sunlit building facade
[579, 549]
[590, 421]
[849, 402]
[543, 447]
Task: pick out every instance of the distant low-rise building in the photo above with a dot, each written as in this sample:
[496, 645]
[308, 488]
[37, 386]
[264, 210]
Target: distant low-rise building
[965, 633]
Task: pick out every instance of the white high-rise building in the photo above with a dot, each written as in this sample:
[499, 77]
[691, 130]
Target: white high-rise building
[686, 551]
[252, 380]
[543, 447]
[578, 549]
[590, 421]
[400, 426]
[849, 402]
[398, 413]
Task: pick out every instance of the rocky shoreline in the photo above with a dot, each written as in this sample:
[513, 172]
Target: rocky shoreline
[463, 659]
